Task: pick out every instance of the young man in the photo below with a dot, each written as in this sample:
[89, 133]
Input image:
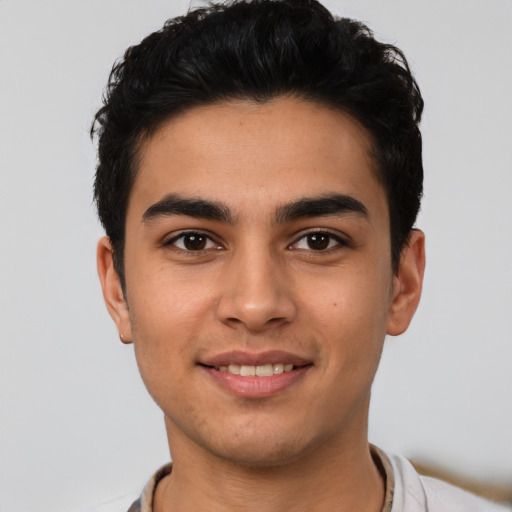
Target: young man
[259, 177]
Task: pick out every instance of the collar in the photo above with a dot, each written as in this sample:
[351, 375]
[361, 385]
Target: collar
[145, 502]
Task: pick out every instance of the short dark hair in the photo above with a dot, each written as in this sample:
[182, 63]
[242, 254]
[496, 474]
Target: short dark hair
[259, 50]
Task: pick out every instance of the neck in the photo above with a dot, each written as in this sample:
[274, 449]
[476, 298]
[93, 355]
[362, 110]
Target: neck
[339, 476]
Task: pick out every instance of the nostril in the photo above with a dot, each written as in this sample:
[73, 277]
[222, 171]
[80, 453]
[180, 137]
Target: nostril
[257, 305]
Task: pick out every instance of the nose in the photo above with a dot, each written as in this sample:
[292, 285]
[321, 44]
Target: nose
[255, 293]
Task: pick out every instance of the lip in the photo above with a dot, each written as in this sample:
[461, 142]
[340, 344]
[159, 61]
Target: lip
[254, 359]
[255, 387]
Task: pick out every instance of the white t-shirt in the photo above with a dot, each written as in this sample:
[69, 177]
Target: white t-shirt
[416, 493]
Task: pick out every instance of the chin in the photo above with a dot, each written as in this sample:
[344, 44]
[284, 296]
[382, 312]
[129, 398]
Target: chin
[261, 457]
[261, 449]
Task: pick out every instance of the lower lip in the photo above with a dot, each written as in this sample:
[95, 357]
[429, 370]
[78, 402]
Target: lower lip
[256, 387]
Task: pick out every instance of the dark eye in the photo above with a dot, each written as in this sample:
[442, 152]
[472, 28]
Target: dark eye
[317, 241]
[192, 241]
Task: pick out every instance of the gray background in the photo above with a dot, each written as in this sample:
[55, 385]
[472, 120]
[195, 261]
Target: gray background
[76, 425]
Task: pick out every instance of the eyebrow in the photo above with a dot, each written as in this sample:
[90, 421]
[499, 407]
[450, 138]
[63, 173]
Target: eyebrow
[328, 205]
[173, 204]
[307, 207]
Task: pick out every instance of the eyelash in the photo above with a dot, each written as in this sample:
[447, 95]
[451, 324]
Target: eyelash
[331, 237]
[197, 234]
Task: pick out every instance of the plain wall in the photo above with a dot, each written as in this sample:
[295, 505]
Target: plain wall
[76, 425]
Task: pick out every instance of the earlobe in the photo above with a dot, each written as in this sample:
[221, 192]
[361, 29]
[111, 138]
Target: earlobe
[112, 289]
[407, 284]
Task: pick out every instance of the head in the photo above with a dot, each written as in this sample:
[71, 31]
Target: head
[258, 51]
[259, 175]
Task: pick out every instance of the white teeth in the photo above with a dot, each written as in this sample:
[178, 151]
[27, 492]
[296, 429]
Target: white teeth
[247, 371]
[264, 370]
[278, 368]
[233, 368]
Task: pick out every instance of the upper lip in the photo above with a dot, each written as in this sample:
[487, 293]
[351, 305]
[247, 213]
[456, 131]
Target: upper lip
[254, 359]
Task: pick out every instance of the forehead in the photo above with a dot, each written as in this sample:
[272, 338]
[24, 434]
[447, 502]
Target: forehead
[252, 156]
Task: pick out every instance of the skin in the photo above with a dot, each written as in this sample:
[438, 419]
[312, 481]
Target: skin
[258, 285]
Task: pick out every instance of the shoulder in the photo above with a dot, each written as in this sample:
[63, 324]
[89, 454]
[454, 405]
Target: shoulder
[442, 494]
[417, 493]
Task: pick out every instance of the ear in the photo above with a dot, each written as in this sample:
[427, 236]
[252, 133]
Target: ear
[407, 284]
[112, 289]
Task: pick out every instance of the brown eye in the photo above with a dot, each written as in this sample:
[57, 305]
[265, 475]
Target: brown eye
[194, 242]
[318, 241]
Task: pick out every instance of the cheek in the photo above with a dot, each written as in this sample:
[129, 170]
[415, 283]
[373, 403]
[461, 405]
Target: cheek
[168, 312]
[350, 314]
[163, 321]
[168, 300]
[163, 356]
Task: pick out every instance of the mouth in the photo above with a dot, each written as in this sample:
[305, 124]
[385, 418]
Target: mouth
[263, 370]
[256, 375]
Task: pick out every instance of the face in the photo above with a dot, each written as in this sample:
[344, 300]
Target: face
[259, 284]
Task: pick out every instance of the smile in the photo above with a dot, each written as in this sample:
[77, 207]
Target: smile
[255, 376]
[264, 370]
